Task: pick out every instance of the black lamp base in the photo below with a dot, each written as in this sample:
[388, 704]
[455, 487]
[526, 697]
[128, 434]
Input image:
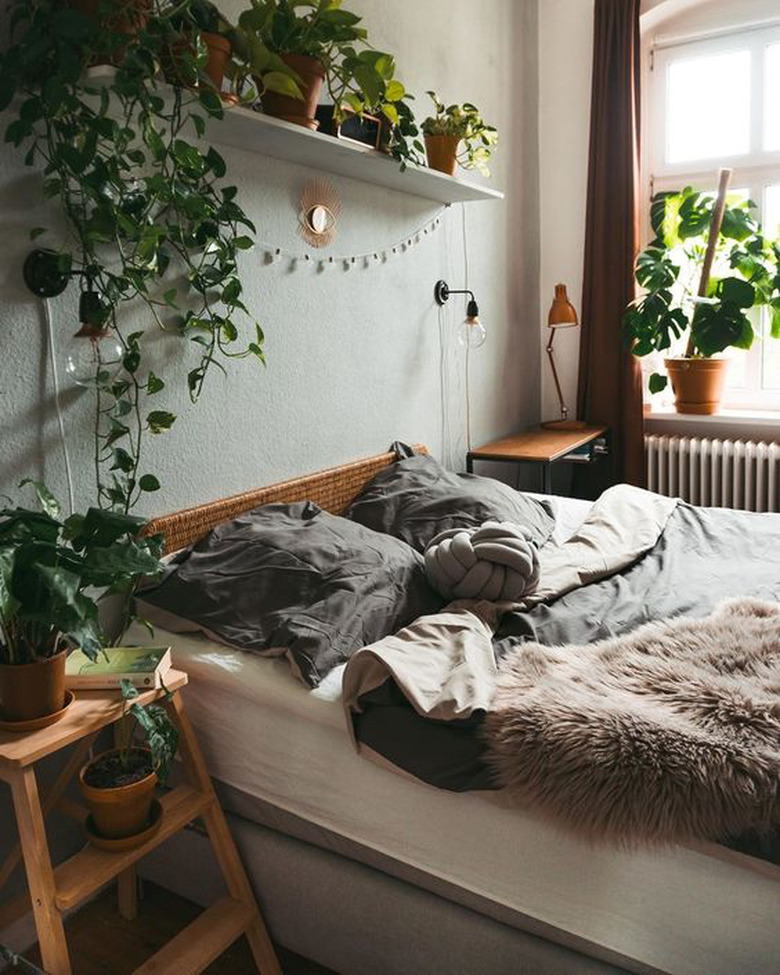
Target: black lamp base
[42, 274]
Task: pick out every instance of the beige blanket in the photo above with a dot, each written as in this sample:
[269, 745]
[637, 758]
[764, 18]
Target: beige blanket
[444, 663]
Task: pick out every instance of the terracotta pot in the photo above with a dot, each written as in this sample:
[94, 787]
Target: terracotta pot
[126, 17]
[34, 690]
[442, 152]
[697, 383]
[119, 811]
[220, 50]
[301, 112]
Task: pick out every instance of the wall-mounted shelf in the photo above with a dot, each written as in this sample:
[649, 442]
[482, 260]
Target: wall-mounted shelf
[243, 128]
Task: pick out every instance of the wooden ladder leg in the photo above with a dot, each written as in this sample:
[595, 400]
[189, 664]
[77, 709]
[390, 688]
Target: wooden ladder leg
[127, 893]
[221, 840]
[40, 875]
[50, 800]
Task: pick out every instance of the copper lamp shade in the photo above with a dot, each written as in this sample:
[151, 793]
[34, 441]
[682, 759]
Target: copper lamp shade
[562, 315]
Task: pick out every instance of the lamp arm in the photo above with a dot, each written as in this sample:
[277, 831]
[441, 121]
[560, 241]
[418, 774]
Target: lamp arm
[551, 356]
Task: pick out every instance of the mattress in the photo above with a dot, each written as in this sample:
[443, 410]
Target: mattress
[683, 911]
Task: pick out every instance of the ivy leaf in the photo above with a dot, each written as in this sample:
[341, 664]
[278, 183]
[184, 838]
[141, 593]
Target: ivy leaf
[243, 243]
[216, 163]
[36, 232]
[657, 383]
[46, 499]
[154, 384]
[160, 420]
[149, 483]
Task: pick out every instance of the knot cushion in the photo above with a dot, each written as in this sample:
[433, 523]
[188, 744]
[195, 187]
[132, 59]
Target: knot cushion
[497, 561]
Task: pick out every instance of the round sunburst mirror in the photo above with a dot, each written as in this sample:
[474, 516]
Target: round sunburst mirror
[320, 208]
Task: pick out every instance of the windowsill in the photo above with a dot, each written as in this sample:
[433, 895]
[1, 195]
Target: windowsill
[755, 418]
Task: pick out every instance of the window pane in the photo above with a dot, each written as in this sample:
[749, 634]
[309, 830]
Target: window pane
[772, 213]
[771, 364]
[771, 101]
[708, 101]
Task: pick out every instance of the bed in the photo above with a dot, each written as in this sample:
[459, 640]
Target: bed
[392, 875]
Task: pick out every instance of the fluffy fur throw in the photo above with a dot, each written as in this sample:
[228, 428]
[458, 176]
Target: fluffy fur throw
[669, 733]
[498, 561]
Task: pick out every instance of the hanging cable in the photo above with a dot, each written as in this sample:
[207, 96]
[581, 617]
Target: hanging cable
[58, 403]
[468, 350]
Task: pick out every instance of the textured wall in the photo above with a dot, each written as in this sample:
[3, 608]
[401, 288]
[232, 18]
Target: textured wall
[353, 357]
[565, 55]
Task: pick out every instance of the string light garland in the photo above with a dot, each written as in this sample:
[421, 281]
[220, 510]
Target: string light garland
[348, 262]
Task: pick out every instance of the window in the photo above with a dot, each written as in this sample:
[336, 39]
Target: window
[712, 103]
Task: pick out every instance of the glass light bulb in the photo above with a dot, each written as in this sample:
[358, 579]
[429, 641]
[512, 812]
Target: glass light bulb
[92, 357]
[472, 332]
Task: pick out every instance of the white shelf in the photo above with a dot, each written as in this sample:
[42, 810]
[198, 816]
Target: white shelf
[243, 128]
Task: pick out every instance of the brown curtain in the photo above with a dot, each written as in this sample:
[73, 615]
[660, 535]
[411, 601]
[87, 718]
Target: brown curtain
[610, 386]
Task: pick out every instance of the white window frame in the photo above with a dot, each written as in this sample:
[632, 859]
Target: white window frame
[754, 171]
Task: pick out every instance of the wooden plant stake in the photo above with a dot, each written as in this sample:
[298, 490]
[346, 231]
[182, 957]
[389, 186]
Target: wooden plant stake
[724, 178]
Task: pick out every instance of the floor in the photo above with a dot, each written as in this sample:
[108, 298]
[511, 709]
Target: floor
[101, 941]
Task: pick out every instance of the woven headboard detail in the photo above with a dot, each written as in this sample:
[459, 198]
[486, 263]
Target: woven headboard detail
[332, 490]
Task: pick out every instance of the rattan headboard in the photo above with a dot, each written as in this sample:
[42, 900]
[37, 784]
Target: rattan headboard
[332, 490]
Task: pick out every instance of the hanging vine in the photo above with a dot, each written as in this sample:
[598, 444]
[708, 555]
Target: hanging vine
[151, 219]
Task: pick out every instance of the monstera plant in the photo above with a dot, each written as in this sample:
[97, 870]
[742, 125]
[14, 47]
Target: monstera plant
[154, 228]
[713, 311]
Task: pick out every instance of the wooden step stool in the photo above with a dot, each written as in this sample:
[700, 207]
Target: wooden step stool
[52, 891]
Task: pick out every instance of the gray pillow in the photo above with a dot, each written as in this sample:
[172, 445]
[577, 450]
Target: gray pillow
[416, 498]
[295, 577]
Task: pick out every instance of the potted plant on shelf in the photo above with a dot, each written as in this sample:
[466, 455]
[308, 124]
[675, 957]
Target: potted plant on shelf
[309, 38]
[52, 574]
[448, 128]
[118, 785]
[363, 84]
[696, 234]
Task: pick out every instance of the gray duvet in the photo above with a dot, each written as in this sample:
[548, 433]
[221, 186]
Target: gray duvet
[701, 557]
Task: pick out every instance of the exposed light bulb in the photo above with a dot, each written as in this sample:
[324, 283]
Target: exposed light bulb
[472, 332]
[92, 356]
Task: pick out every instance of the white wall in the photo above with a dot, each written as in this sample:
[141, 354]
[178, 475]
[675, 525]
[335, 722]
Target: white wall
[565, 57]
[353, 357]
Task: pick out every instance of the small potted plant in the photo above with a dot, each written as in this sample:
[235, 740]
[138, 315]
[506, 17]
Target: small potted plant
[308, 38]
[363, 84]
[52, 572]
[118, 785]
[448, 128]
[706, 269]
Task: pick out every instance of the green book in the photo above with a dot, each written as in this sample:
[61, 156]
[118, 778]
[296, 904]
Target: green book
[144, 667]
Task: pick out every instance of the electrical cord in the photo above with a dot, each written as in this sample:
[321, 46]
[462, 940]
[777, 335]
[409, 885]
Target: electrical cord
[468, 350]
[58, 403]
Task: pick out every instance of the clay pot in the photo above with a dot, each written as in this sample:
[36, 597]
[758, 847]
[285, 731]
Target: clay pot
[442, 152]
[29, 691]
[220, 50]
[301, 112]
[127, 17]
[119, 811]
[697, 383]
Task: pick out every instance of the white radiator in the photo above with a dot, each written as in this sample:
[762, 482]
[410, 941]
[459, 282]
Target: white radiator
[718, 473]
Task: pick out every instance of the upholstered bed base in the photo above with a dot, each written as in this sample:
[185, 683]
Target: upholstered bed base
[356, 919]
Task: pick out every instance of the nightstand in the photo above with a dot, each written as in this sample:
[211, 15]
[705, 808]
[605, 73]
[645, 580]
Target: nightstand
[545, 447]
[55, 890]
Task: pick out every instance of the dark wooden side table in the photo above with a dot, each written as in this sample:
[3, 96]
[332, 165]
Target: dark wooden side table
[545, 447]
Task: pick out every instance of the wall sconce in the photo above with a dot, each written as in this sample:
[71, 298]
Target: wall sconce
[562, 315]
[472, 332]
[93, 348]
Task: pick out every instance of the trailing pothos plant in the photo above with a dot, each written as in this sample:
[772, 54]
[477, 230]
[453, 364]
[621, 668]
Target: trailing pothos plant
[151, 220]
[746, 276]
[466, 123]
